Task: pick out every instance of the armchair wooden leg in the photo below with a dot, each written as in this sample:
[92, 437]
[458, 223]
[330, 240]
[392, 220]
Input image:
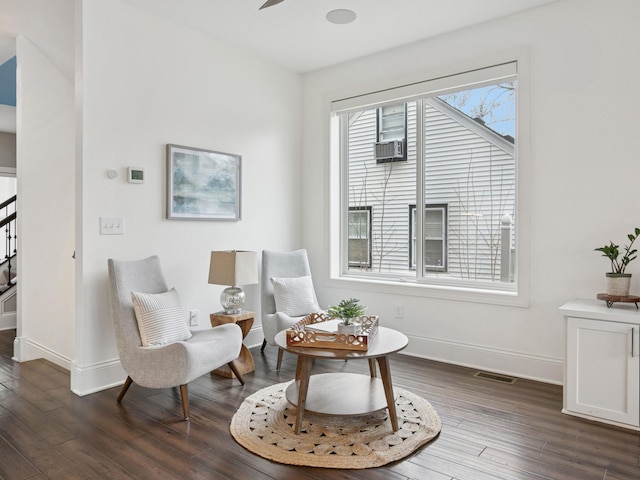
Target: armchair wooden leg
[264, 344]
[125, 387]
[184, 394]
[235, 371]
[279, 364]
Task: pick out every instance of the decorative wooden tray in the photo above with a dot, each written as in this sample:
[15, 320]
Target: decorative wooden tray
[611, 299]
[300, 336]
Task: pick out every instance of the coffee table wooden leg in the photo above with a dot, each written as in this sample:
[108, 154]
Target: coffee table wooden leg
[385, 373]
[372, 368]
[303, 372]
[299, 367]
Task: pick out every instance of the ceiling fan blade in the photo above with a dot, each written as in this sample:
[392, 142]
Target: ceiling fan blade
[270, 3]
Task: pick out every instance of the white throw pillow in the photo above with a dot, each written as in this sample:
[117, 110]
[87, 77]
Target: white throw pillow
[295, 296]
[160, 318]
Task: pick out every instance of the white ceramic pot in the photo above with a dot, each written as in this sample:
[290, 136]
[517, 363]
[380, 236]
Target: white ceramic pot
[618, 284]
[350, 329]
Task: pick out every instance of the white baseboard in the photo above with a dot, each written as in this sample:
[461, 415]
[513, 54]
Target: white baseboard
[8, 321]
[254, 338]
[89, 379]
[84, 379]
[25, 350]
[532, 367]
[100, 376]
[8, 314]
[601, 420]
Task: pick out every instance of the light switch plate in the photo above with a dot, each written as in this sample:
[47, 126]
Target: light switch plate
[111, 226]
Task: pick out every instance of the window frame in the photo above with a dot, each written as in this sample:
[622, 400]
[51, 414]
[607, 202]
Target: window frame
[385, 90]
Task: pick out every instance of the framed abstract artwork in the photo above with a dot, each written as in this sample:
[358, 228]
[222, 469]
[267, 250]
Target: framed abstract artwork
[203, 184]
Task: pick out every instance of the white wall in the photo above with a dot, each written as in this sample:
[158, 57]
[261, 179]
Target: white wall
[583, 176]
[45, 172]
[7, 150]
[147, 82]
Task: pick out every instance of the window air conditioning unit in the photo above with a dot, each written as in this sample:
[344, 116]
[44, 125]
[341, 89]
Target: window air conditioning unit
[392, 151]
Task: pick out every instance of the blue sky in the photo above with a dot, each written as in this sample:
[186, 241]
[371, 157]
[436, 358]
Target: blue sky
[501, 100]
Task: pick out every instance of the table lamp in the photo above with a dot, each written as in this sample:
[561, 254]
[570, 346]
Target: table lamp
[233, 268]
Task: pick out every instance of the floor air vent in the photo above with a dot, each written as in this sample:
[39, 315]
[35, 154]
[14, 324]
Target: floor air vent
[495, 377]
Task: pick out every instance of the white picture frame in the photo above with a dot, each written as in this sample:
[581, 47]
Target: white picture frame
[203, 184]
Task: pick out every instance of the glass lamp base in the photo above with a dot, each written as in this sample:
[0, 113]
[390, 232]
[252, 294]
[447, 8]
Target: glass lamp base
[232, 300]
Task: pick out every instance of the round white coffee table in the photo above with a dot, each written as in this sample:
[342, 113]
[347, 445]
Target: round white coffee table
[344, 393]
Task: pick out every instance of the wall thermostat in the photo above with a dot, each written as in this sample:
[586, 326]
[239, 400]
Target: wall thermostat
[136, 175]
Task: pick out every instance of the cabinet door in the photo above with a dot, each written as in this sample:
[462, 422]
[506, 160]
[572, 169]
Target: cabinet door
[603, 370]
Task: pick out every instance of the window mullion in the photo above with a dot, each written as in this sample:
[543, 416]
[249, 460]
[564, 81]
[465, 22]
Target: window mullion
[344, 192]
[420, 190]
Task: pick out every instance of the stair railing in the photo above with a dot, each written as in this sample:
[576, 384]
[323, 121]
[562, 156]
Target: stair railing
[8, 207]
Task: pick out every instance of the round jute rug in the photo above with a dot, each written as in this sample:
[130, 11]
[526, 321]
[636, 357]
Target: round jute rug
[264, 425]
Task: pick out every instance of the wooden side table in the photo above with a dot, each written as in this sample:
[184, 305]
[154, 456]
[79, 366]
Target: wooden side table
[244, 362]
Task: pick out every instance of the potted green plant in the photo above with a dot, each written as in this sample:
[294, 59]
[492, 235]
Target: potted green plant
[347, 311]
[618, 281]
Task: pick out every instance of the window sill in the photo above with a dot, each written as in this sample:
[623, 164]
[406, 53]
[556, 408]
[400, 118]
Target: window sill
[410, 287]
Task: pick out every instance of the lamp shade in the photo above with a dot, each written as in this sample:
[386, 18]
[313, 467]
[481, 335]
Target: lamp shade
[233, 267]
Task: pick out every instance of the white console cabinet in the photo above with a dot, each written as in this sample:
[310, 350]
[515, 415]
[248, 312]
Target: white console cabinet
[602, 362]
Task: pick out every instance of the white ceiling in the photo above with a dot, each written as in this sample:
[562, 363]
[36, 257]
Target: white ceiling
[295, 33]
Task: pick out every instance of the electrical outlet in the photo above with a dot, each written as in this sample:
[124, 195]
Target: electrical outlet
[193, 317]
[399, 310]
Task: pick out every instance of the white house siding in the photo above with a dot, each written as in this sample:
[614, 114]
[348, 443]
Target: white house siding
[366, 188]
[468, 167]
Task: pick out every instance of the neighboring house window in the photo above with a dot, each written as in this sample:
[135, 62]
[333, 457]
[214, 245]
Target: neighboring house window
[435, 237]
[459, 133]
[359, 237]
[391, 133]
[392, 122]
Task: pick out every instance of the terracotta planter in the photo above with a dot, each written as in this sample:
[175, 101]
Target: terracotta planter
[618, 284]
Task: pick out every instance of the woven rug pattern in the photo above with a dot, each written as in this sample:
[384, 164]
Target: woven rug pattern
[264, 425]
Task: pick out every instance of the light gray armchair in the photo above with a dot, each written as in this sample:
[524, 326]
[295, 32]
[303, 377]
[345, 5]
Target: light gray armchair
[174, 364]
[283, 265]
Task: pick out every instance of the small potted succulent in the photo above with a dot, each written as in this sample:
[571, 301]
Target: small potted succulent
[617, 281]
[347, 311]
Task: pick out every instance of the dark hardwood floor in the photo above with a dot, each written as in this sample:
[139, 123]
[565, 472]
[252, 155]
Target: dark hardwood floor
[490, 430]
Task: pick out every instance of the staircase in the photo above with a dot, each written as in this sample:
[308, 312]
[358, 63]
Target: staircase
[8, 264]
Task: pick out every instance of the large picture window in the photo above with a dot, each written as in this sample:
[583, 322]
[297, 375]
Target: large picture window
[460, 139]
